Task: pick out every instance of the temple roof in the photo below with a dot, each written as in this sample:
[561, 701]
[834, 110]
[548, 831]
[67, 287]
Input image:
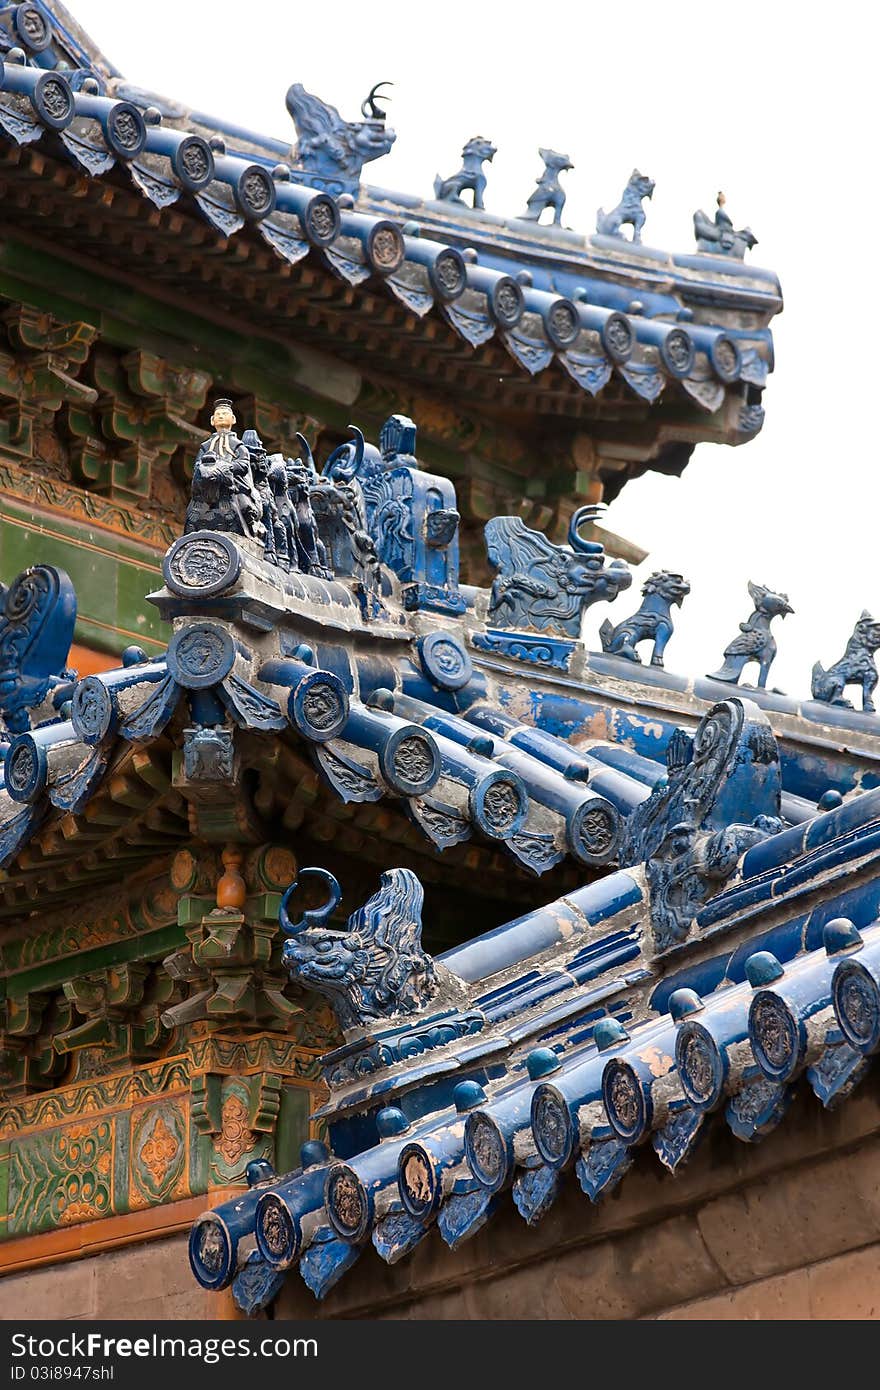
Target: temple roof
[513, 314]
[659, 898]
[569, 1049]
[701, 935]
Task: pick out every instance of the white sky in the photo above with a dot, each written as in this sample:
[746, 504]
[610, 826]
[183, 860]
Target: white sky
[774, 103]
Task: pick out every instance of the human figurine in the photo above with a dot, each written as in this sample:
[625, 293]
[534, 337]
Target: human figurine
[720, 237]
[310, 549]
[260, 474]
[282, 515]
[229, 452]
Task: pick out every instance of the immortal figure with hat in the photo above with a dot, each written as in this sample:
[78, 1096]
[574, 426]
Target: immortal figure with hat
[227, 452]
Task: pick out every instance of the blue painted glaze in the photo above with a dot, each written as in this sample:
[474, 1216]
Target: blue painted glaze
[558, 923]
[216, 1237]
[282, 1214]
[620, 669]
[36, 629]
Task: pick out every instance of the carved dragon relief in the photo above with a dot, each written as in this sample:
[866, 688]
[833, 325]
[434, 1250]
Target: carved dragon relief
[544, 586]
[375, 968]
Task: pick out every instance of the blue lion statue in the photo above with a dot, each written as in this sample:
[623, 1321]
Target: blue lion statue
[629, 210]
[652, 622]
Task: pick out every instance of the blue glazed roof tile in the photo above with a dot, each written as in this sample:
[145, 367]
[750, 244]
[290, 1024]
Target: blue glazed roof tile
[594, 308]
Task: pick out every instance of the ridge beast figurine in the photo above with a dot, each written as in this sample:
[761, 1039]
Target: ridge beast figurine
[857, 666]
[653, 620]
[342, 511]
[283, 520]
[629, 209]
[755, 642]
[260, 475]
[476, 152]
[545, 586]
[328, 145]
[548, 192]
[719, 237]
[224, 497]
[301, 477]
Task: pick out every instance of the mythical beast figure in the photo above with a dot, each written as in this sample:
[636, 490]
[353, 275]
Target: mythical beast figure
[653, 621]
[548, 192]
[341, 511]
[629, 209]
[545, 586]
[376, 967]
[330, 146]
[722, 795]
[856, 667]
[475, 153]
[755, 641]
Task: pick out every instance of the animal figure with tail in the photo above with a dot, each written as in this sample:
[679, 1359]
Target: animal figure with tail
[652, 621]
[548, 192]
[629, 210]
[475, 153]
[755, 641]
[857, 666]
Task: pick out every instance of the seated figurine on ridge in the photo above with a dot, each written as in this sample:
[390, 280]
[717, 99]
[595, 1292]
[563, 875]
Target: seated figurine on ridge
[652, 621]
[212, 504]
[857, 666]
[720, 238]
[231, 455]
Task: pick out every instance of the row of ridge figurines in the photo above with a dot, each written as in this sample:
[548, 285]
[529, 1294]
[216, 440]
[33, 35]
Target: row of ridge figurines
[718, 235]
[335, 150]
[753, 643]
[330, 146]
[239, 488]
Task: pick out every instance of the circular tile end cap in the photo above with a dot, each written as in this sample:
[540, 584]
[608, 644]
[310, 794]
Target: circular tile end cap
[445, 660]
[201, 655]
[201, 564]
